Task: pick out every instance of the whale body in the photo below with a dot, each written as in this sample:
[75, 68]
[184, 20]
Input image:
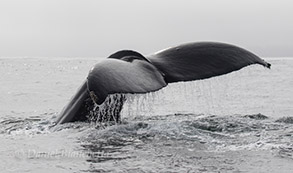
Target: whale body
[128, 71]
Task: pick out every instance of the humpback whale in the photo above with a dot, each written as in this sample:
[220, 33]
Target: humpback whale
[128, 71]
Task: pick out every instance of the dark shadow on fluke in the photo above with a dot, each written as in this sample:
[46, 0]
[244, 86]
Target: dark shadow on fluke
[101, 98]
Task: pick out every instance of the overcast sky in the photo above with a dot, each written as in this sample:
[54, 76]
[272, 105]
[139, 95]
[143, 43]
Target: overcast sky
[101, 27]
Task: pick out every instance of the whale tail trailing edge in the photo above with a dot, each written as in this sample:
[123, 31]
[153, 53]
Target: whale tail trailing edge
[194, 61]
[130, 72]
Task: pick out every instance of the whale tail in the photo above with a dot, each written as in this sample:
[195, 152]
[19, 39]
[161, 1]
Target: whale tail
[130, 72]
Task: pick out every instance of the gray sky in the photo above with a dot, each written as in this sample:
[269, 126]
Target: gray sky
[101, 27]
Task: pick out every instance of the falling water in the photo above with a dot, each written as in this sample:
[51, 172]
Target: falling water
[109, 111]
[222, 95]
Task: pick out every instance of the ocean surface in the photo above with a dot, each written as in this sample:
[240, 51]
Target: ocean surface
[239, 122]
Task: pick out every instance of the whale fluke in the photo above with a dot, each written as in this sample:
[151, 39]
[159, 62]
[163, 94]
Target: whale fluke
[127, 75]
[201, 60]
[128, 71]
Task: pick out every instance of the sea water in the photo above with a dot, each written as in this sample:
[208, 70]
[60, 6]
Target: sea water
[239, 122]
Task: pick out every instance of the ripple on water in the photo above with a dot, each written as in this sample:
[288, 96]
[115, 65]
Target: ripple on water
[30, 125]
[287, 120]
